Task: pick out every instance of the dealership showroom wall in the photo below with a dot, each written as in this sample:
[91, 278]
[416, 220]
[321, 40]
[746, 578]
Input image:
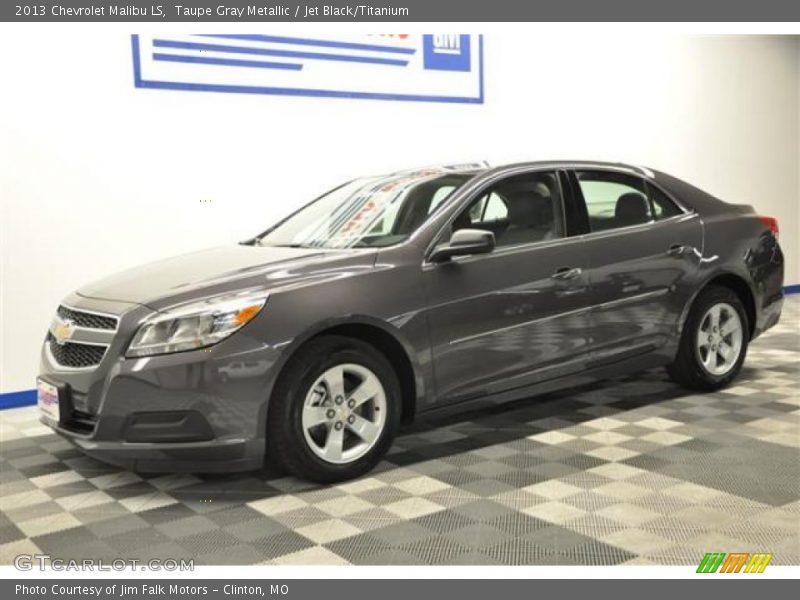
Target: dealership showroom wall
[97, 175]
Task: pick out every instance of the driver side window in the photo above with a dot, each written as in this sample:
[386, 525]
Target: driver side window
[519, 210]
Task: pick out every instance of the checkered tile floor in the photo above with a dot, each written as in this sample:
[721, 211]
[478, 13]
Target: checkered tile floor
[631, 471]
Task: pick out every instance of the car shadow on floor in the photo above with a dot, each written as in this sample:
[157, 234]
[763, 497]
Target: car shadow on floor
[432, 438]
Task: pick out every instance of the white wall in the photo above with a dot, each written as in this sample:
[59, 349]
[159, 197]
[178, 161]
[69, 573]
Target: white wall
[96, 176]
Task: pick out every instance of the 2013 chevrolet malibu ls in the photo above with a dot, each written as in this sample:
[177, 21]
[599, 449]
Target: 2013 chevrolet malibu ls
[396, 296]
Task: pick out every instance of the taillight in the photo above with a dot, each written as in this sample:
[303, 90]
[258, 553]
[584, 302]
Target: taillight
[771, 223]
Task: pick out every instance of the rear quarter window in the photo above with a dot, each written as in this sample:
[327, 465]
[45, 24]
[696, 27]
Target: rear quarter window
[662, 205]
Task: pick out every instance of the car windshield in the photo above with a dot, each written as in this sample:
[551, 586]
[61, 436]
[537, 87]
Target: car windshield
[368, 212]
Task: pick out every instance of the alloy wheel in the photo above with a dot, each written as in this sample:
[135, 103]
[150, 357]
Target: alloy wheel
[344, 413]
[719, 339]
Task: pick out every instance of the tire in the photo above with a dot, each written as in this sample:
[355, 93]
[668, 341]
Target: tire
[310, 415]
[708, 369]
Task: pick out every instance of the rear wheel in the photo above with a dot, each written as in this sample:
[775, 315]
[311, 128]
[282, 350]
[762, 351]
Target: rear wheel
[335, 410]
[713, 344]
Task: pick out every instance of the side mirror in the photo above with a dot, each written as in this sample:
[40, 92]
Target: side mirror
[464, 242]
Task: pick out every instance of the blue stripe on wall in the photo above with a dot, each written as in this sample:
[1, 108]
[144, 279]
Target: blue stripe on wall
[275, 52]
[226, 62]
[15, 399]
[792, 289]
[310, 42]
[28, 397]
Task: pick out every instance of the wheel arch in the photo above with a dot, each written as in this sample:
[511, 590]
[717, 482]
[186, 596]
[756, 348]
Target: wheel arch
[738, 285]
[384, 337]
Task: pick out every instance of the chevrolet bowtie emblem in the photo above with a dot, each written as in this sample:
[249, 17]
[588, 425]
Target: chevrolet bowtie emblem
[63, 331]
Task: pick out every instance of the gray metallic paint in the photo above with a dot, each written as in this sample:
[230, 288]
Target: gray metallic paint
[482, 328]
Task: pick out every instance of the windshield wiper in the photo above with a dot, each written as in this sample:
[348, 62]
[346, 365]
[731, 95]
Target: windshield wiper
[285, 245]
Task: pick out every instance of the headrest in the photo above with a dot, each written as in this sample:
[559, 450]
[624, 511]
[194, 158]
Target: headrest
[530, 210]
[542, 189]
[632, 208]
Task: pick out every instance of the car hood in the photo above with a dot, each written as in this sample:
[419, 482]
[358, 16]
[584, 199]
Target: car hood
[218, 270]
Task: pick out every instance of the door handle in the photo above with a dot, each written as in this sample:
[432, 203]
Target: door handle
[564, 273]
[678, 250]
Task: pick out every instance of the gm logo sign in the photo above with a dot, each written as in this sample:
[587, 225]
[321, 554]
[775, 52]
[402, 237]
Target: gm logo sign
[446, 52]
[410, 67]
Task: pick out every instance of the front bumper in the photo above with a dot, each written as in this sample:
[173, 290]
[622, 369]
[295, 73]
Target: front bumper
[214, 456]
[196, 411]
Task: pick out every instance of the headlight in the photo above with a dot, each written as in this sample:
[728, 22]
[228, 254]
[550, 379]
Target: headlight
[196, 324]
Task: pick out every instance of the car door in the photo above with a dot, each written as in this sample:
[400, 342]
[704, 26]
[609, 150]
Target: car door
[642, 250]
[517, 315]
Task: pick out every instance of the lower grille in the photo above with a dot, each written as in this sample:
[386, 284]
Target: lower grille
[75, 355]
[81, 422]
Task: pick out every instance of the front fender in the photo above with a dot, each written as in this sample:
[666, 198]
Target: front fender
[421, 383]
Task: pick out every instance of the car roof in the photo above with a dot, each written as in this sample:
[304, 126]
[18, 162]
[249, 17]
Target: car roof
[484, 167]
[576, 164]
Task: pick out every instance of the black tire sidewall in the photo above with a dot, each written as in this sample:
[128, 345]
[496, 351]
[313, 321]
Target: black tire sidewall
[303, 371]
[712, 296]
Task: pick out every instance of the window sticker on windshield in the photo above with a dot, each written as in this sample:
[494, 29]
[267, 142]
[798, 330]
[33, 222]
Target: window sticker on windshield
[368, 206]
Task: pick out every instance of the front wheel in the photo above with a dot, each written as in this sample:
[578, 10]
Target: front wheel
[335, 410]
[713, 344]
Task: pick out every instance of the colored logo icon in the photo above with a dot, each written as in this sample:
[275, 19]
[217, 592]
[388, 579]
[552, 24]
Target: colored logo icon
[737, 562]
[63, 331]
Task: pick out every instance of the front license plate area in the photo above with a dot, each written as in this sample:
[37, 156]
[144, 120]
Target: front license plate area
[48, 398]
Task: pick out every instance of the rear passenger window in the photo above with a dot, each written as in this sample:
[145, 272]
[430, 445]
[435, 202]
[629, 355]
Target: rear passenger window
[615, 200]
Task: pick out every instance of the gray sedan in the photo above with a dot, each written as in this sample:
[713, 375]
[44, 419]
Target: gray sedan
[395, 297]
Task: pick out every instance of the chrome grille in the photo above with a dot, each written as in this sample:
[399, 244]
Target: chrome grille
[75, 355]
[87, 319]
